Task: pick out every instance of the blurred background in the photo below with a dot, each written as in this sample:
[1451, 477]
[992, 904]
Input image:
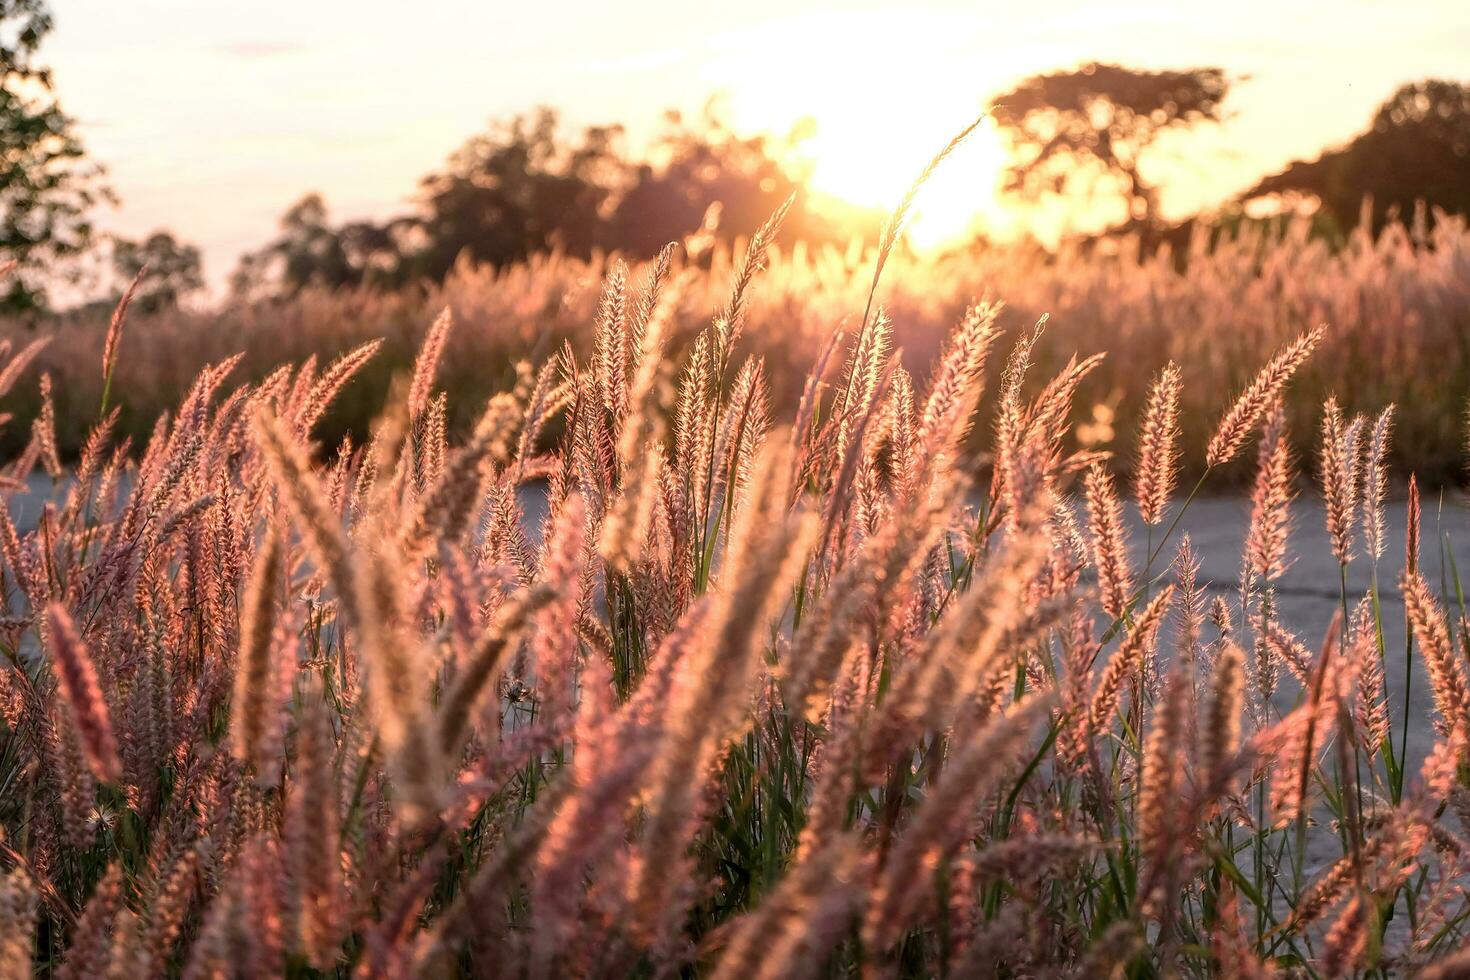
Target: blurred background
[1166, 179]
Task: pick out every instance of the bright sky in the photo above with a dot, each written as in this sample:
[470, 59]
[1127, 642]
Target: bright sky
[214, 117]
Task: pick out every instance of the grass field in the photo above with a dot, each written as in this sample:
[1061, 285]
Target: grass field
[814, 661]
[1397, 310]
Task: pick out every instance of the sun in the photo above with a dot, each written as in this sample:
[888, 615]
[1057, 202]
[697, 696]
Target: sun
[878, 104]
[960, 197]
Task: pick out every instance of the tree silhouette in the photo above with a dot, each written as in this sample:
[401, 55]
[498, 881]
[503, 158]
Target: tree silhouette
[170, 269]
[47, 187]
[310, 252]
[521, 188]
[1069, 128]
[1417, 148]
[704, 163]
[516, 190]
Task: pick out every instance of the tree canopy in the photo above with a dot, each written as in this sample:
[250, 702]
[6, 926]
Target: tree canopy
[166, 270]
[523, 187]
[1416, 148]
[47, 186]
[1070, 128]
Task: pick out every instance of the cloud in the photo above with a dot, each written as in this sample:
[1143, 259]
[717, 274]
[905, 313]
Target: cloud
[254, 50]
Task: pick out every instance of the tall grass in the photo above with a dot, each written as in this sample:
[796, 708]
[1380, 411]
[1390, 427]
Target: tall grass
[1398, 306]
[652, 673]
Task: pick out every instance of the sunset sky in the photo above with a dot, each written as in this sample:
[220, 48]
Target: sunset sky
[213, 118]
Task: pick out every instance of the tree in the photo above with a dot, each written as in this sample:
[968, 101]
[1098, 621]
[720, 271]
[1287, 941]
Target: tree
[1068, 129]
[311, 253]
[707, 163]
[47, 187]
[521, 189]
[1417, 148]
[170, 269]
[517, 190]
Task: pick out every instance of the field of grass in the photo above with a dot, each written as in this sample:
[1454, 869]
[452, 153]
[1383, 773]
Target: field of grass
[1397, 310]
[651, 657]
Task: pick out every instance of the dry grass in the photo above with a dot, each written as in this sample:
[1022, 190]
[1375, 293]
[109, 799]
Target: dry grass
[656, 673]
[1398, 309]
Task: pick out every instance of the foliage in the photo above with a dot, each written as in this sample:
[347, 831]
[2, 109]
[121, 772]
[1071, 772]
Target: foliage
[47, 187]
[1069, 127]
[1415, 152]
[523, 189]
[166, 270]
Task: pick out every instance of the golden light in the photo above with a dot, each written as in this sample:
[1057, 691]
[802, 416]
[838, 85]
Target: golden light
[958, 200]
[880, 104]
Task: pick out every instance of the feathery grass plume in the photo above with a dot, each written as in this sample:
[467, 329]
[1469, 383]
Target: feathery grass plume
[114, 335]
[1220, 734]
[1271, 496]
[870, 355]
[1016, 453]
[1375, 482]
[311, 833]
[958, 381]
[748, 419]
[1411, 532]
[978, 761]
[1447, 678]
[792, 930]
[254, 715]
[1234, 954]
[331, 383]
[1288, 651]
[1347, 940]
[397, 683]
[308, 502]
[43, 429]
[18, 902]
[170, 904]
[1372, 711]
[1159, 837]
[446, 505]
[77, 785]
[611, 343]
[1127, 660]
[1324, 892]
[16, 366]
[652, 295]
[730, 322]
[89, 947]
[1240, 419]
[1049, 414]
[641, 436]
[894, 227]
[1455, 966]
[768, 542]
[1158, 447]
[1192, 613]
[1109, 543]
[1339, 479]
[1296, 741]
[485, 661]
[76, 678]
[426, 366]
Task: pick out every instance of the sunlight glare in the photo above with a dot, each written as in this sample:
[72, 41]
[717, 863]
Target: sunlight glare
[878, 111]
[958, 199]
